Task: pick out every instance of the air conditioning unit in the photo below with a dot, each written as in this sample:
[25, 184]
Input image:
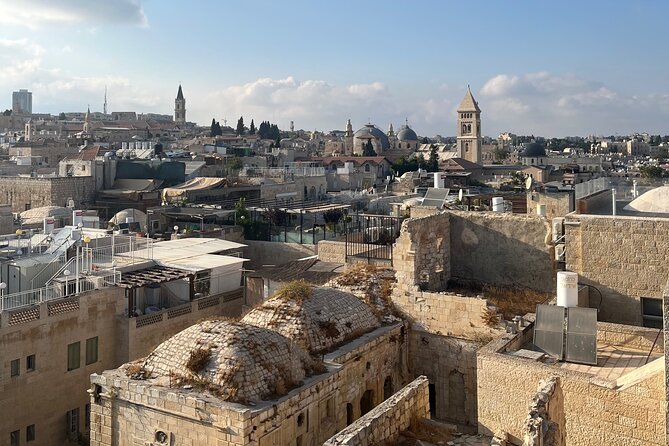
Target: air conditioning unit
[560, 250]
[558, 229]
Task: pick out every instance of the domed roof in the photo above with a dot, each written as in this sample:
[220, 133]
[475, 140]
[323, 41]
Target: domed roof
[654, 201]
[136, 215]
[407, 134]
[372, 131]
[318, 323]
[37, 215]
[534, 149]
[236, 361]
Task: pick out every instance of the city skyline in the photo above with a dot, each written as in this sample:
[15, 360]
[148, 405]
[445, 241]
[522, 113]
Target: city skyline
[552, 70]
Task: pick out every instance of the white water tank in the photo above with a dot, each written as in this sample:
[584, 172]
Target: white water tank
[77, 217]
[497, 204]
[438, 181]
[541, 210]
[49, 225]
[567, 289]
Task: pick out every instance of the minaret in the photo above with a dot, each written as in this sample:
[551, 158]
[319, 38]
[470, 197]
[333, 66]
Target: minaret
[180, 107]
[348, 138]
[469, 139]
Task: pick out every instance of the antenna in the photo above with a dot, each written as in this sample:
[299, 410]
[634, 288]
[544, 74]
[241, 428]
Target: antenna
[104, 107]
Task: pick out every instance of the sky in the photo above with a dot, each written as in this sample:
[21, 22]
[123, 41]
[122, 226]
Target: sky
[554, 69]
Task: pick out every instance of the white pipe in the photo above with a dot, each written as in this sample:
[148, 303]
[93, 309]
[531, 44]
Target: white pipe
[613, 197]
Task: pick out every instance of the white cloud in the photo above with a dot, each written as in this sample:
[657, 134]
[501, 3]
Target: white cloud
[19, 59]
[40, 13]
[557, 105]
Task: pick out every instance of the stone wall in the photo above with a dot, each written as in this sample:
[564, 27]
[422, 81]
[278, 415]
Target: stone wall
[30, 193]
[597, 203]
[421, 255]
[450, 365]
[331, 251]
[595, 411]
[544, 425]
[423, 211]
[502, 249]
[625, 258]
[557, 204]
[383, 425]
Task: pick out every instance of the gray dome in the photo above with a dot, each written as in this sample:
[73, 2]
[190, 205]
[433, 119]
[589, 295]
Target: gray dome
[407, 134]
[371, 130]
[534, 149]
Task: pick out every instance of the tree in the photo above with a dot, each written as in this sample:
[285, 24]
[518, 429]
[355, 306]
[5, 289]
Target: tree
[276, 216]
[241, 214]
[404, 165]
[368, 149]
[434, 159]
[61, 116]
[234, 163]
[240, 126]
[252, 128]
[425, 140]
[7, 112]
[651, 171]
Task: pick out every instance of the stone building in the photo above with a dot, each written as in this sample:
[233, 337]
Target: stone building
[294, 371]
[180, 107]
[469, 141]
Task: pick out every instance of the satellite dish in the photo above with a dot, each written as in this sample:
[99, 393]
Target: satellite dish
[460, 195]
[528, 183]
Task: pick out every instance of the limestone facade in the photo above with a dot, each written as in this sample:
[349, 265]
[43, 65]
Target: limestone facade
[625, 258]
[29, 193]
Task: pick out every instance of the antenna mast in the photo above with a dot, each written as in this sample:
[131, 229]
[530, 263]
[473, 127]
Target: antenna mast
[104, 107]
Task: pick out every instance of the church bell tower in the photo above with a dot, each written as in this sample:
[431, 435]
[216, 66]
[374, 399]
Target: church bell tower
[469, 139]
[180, 107]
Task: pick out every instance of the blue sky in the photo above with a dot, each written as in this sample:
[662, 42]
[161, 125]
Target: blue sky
[543, 68]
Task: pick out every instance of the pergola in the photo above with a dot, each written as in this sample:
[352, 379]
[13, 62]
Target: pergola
[152, 276]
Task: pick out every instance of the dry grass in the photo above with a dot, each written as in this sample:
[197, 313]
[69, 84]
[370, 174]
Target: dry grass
[198, 359]
[490, 317]
[295, 290]
[512, 302]
[357, 274]
[137, 371]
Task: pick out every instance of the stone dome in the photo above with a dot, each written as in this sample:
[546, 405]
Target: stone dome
[654, 201]
[236, 361]
[372, 131]
[534, 149]
[135, 214]
[407, 134]
[321, 322]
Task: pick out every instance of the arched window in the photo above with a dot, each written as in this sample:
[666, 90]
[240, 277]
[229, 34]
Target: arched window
[466, 147]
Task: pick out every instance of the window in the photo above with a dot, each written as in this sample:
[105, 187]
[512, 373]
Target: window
[73, 360]
[30, 433]
[15, 367]
[30, 363]
[91, 350]
[651, 311]
[14, 438]
[73, 421]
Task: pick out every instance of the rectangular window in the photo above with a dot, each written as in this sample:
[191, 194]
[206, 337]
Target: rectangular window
[15, 367]
[30, 433]
[14, 438]
[651, 311]
[91, 350]
[73, 422]
[30, 363]
[73, 360]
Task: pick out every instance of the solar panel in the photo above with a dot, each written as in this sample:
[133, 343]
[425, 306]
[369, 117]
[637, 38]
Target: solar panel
[581, 335]
[435, 197]
[549, 330]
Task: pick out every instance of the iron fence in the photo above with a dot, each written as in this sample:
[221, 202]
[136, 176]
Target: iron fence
[371, 237]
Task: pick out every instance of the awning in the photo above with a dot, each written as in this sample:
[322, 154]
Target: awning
[151, 276]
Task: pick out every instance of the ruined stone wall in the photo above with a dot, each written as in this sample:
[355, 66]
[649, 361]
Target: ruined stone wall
[625, 258]
[450, 365]
[44, 395]
[331, 251]
[501, 249]
[385, 422]
[557, 204]
[595, 412]
[423, 211]
[443, 313]
[421, 255]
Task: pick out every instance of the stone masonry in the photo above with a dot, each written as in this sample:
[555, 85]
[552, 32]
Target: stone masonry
[383, 425]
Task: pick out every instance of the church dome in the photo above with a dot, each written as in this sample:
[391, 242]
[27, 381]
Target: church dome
[318, 323]
[534, 149]
[236, 361]
[372, 131]
[407, 134]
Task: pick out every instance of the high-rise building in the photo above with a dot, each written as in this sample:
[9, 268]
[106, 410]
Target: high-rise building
[469, 129]
[180, 107]
[22, 102]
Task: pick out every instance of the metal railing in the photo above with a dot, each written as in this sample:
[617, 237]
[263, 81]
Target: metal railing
[588, 188]
[57, 291]
[51, 268]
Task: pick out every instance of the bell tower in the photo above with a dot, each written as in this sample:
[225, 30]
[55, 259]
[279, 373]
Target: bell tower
[180, 107]
[469, 139]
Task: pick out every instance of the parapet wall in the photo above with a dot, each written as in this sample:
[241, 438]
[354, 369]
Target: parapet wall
[383, 424]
